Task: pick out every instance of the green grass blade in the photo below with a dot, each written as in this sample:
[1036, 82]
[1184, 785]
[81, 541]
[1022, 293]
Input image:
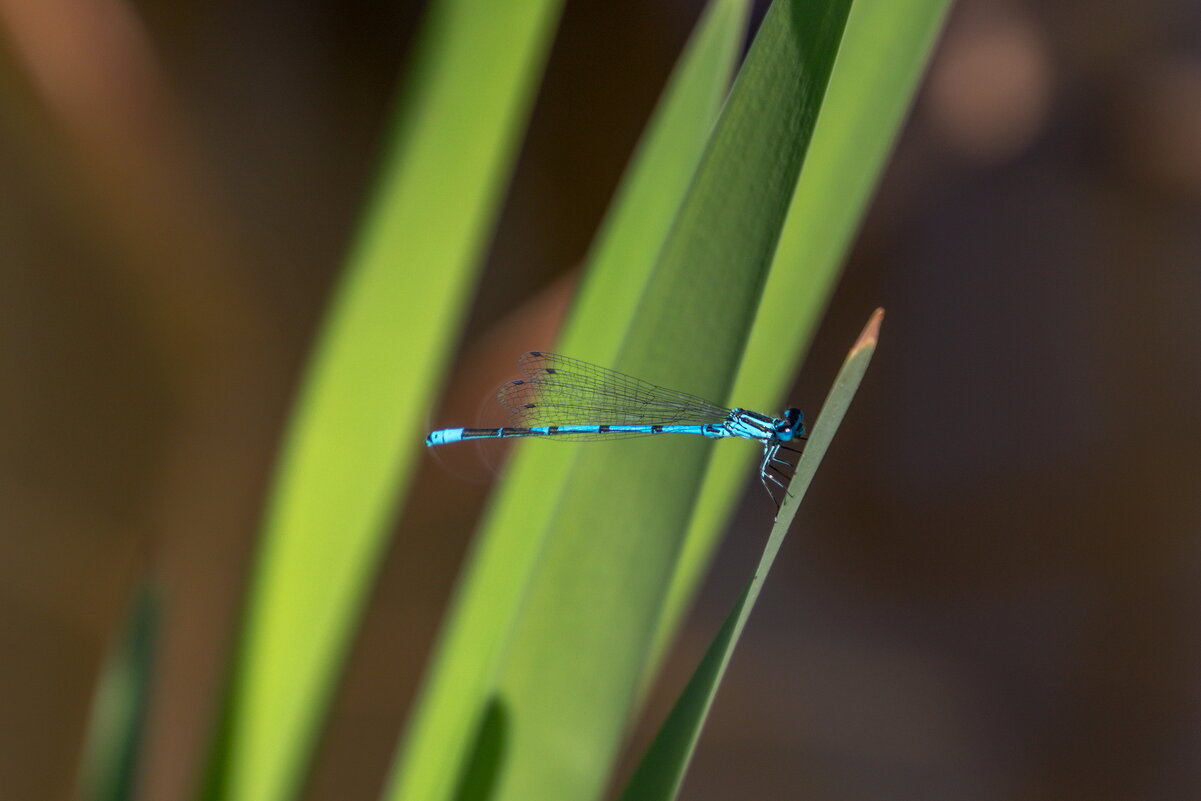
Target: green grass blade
[357, 426]
[456, 697]
[629, 242]
[578, 652]
[884, 52]
[661, 771]
[115, 730]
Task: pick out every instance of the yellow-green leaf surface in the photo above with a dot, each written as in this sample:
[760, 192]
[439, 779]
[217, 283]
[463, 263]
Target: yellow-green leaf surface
[357, 426]
[454, 702]
[884, 52]
[575, 657]
[661, 771]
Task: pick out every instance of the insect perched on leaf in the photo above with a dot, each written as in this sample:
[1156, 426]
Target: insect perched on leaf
[568, 399]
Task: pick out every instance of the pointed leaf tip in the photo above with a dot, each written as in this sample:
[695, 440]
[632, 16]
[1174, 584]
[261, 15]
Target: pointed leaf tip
[870, 334]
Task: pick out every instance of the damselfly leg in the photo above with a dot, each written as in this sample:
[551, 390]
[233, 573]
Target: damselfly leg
[771, 462]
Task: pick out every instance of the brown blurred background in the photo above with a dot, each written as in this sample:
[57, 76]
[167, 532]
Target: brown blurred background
[992, 592]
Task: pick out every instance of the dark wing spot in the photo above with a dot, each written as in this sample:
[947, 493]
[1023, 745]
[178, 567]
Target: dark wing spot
[517, 382]
[535, 353]
[529, 405]
[551, 371]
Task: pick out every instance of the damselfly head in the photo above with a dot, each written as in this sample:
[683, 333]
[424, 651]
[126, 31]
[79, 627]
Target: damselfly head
[790, 425]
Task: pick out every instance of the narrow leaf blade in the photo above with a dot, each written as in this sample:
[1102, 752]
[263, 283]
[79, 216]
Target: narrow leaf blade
[578, 653]
[661, 771]
[118, 719]
[438, 754]
[351, 444]
[884, 52]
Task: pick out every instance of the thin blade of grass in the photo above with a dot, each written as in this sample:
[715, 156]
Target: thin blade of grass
[357, 426]
[118, 719]
[884, 51]
[661, 771]
[577, 654]
[455, 700]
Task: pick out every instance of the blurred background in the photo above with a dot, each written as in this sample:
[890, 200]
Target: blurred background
[994, 588]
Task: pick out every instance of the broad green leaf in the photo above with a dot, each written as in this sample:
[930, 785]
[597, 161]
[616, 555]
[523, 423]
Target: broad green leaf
[455, 702]
[884, 52]
[355, 432]
[576, 656]
[661, 771]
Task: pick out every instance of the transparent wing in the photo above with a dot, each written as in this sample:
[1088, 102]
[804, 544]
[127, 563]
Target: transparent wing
[559, 391]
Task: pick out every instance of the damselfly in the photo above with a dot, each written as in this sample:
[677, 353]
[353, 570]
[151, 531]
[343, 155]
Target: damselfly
[568, 399]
